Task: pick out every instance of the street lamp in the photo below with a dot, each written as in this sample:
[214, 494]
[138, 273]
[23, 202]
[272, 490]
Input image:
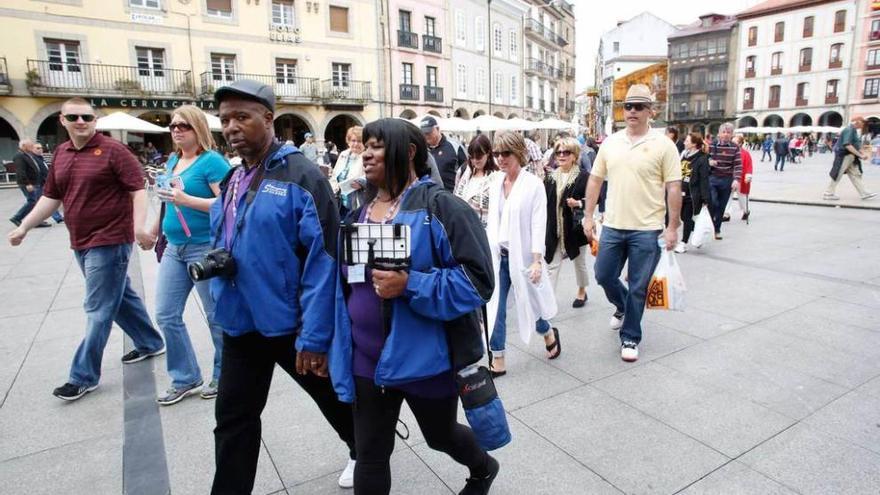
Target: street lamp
[489, 42]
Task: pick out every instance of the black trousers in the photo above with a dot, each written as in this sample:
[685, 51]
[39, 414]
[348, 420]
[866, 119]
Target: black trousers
[687, 217]
[375, 418]
[248, 364]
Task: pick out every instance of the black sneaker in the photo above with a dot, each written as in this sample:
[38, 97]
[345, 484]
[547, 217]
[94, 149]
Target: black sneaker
[480, 486]
[43, 225]
[72, 392]
[136, 355]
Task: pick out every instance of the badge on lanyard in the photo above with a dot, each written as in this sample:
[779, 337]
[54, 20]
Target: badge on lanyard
[357, 274]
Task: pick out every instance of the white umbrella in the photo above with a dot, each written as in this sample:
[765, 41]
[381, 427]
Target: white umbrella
[747, 130]
[214, 122]
[522, 124]
[828, 129]
[121, 121]
[555, 124]
[490, 123]
[456, 124]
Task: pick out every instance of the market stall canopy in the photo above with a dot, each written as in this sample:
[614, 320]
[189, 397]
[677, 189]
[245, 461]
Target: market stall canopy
[121, 121]
[491, 123]
[214, 122]
[555, 124]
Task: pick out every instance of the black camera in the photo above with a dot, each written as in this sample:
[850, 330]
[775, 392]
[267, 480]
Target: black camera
[216, 263]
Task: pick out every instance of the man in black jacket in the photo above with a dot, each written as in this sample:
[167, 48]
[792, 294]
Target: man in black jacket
[449, 155]
[30, 174]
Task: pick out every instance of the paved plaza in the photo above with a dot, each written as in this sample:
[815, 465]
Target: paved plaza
[769, 383]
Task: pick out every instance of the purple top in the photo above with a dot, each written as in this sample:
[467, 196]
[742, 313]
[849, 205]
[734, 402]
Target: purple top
[368, 338]
[241, 180]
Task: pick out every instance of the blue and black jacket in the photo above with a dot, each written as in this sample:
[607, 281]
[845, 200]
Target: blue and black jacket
[284, 249]
[435, 324]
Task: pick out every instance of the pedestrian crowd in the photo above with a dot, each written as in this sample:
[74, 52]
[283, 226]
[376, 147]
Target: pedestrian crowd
[267, 245]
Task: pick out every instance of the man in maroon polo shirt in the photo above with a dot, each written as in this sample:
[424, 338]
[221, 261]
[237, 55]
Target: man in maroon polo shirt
[101, 185]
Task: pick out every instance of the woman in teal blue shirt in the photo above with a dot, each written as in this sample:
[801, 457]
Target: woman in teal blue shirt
[191, 185]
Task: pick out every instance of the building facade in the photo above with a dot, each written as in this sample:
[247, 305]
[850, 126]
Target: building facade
[864, 90]
[654, 77]
[487, 55]
[146, 57]
[794, 62]
[633, 45]
[549, 59]
[418, 53]
[701, 75]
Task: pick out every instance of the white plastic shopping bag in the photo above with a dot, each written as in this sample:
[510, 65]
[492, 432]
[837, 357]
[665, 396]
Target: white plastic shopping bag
[703, 228]
[666, 289]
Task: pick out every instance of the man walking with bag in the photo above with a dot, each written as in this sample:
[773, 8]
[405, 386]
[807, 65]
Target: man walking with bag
[643, 169]
[847, 161]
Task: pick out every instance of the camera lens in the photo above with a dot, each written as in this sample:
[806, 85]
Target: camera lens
[196, 271]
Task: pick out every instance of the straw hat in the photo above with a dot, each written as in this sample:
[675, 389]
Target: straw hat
[639, 93]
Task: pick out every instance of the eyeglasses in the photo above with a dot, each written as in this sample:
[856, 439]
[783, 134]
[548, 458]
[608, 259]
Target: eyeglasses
[73, 117]
[638, 107]
[180, 126]
[505, 153]
[563, 153]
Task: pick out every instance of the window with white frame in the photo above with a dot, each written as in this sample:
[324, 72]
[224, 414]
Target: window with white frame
[63, 55]
[146, 4]
[223, 67]
[460, 28]
[282, 13]
[479, 33]
[514, 45]
[219, 8]
[461, 80]
[872, 87]
[480, 83]
[497, 43]
[873, 58]
[341, 74]
[407, 73]
[514, 90]
[285, 71]
[151, 61]
[498, 88]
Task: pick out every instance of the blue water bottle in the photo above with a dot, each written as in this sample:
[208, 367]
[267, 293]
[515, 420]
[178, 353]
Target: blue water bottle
[482, 407]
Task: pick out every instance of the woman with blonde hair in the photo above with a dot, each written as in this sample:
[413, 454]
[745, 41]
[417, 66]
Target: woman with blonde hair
[190, 185]
[516, 228]
[566, 187]
[347, 178]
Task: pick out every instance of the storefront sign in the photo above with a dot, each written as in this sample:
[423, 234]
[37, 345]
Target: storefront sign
[149, 103]
[284, 34]
[145, 18]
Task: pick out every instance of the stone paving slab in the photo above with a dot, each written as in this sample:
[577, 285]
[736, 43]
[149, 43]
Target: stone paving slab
[768, 383]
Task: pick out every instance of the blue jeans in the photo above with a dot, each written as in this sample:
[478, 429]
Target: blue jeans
[640, 248]
[109, 298]
[30, 200]
[719, 195]
[767, 154]
[172, 291]
[780, 162]
[499, 332]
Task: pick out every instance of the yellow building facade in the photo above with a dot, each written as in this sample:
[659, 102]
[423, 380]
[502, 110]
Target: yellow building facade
[146, 57]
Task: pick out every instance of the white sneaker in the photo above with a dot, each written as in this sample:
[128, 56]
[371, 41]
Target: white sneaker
[868, 196]
[681, 248]
[629, 352]
[346, 479]
[616, 320]
[830, 197]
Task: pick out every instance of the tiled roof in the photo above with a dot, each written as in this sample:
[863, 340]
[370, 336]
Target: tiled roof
[772, 6]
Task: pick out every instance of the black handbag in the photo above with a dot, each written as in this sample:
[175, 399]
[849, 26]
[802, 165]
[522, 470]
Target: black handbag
[162, 241]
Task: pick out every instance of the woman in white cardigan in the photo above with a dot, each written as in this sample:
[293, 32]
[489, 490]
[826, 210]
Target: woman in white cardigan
[516, 228]
[349, 168]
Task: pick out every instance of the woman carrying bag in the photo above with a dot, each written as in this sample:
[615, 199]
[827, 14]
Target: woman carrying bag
[565, 239]
[194, 173]
[695, 184]
[405, 334]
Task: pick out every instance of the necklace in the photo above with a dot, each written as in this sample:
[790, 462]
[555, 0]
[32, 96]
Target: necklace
[392, 210]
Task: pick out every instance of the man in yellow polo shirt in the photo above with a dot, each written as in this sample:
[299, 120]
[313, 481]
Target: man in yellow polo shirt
[643, 169]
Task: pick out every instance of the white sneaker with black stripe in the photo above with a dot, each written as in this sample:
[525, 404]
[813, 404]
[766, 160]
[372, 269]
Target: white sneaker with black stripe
[629, 352]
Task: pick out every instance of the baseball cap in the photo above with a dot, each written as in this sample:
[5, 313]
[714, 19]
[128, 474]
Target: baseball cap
[428, 123]
[248, 90]
[308, 135]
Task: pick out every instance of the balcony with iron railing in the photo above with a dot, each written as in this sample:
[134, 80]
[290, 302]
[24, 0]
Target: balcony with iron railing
[336, 92]
[409, 92]
[432, 44]
[831, 99]
[544, 33]
[715, 114]
[434, 94]
[288, 89]
[835, 64]
[681, 115]
[716, 86]
[530, 101]
[542, 105]
[569, 73]
[535, 66]
[407, 39]
[801, 102]
[748, 105]
[46, 77]
[5, 85]
[681, 88]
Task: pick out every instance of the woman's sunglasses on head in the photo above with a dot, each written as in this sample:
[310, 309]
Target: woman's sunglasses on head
[73, 117]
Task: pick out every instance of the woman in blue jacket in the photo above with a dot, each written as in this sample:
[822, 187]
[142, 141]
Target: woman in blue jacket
[378, 362]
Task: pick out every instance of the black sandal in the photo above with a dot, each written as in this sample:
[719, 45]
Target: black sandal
[496, 374]
[557, 345]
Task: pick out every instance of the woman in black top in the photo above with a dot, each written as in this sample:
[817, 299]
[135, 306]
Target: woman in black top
[695, 184]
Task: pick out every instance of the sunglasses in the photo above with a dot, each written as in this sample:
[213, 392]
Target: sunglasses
[73, 117]
[505, 154]
[563, 153]
[180, 126]
[638, 107]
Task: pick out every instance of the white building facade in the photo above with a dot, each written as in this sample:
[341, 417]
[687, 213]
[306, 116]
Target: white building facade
[633, 45]
[549, 60]
[794, 62]
[487, 57]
